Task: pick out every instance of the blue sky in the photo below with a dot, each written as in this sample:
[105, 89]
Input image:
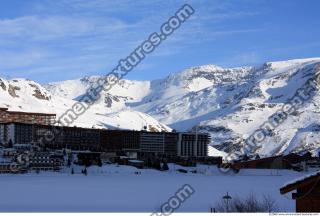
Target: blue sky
[52, 40]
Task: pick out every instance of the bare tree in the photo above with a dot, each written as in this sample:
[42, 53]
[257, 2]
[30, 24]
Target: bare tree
[249, 204]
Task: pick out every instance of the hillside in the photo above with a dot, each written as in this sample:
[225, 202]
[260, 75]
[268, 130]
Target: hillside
[229, 103]
[26, 95]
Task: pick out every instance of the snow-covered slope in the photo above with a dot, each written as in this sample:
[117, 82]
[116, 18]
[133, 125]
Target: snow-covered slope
[113, 100]
[181, 99]
[184, 99]
[229, 103]
[23, 94]
[270, 88]
[26, 95]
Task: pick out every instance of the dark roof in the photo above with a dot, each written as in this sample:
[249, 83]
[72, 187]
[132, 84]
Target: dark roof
[91, 129]
[52, 126]
[31, 113]
[27, 113]
[67, 127]
[260, 159]
[305, 180]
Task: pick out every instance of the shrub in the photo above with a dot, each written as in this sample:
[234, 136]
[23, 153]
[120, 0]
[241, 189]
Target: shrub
[250, 204]
[165, 167]
[99, 162]
[182, 170]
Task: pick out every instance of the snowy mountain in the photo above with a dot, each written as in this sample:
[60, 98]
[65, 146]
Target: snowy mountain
[229, 103]
[26, 95]
[114, 100]
[272, 86]
[184, 99]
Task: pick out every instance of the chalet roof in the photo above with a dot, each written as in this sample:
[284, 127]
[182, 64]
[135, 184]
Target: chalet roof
[305, 180]
[260, 159]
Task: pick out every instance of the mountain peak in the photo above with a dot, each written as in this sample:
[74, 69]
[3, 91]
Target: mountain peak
[274, 65]
[228, 103]
[210, 69]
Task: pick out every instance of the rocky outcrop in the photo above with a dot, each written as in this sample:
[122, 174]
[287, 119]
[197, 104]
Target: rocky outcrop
[13, 91]
[2, 85]
[38, 94]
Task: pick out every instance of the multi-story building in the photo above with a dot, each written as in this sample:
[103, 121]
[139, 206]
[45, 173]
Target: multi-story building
[2, 134]
[193, 145]
[13, 133]
[54, 137]
[80, 138]
[17, 133]
[119, 140]
[152, 142]
[142, 143]
[26, 117]
[171, 144]
[158, 143]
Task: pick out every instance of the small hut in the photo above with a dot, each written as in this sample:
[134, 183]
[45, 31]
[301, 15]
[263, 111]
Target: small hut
[307, 192]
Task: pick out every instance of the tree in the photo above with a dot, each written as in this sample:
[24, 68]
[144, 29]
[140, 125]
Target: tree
[149, 163]
[165, 166]
[190, 163]
[10, 144]
[248, 204]
[99, 162]
[87, 162]
[235, 170]
[157, 165]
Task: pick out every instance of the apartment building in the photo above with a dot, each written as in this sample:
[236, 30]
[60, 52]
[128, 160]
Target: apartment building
[159, 143]
[193, 145]
[54, 137]
[26, 117]
[142, 143]
[119, 140]
[152, 142]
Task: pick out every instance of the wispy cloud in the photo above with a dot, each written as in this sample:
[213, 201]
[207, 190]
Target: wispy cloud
[56, 27]
[245, 59]
[19, 60]
[74, 37]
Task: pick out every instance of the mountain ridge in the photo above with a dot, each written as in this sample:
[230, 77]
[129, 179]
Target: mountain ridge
[228, 103]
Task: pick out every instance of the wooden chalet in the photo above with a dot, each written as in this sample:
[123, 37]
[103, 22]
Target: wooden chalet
[275, 162]
[307, 193]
